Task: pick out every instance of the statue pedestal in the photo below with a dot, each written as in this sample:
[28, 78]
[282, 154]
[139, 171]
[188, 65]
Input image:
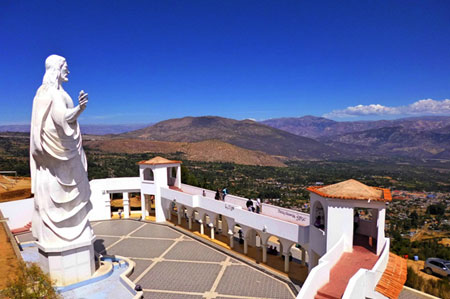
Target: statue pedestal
[68, 264]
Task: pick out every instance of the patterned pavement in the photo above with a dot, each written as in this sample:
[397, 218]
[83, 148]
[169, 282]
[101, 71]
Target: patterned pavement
[170, 264]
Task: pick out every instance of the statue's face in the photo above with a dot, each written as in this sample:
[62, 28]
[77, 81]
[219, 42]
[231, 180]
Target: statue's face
[64, 73]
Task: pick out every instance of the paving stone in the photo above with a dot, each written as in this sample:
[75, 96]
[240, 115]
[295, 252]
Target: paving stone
[155, 295]
[141, 265]
[143, 248]
[28, 237]
[194, 251]
[116, 228]
[238, 280]
[244, 281]
[101, 243]
[156, 231]
[179, 276]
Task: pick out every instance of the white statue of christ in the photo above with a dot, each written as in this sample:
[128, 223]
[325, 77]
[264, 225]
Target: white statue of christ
[58, 163]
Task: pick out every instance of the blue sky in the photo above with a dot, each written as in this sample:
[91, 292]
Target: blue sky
[146, 61]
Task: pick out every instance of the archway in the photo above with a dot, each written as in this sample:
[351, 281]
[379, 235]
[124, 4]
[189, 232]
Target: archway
[365, 228]
[148, 174]
[318, 216]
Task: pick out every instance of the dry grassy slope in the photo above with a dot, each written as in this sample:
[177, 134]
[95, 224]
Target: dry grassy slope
[215, 150]
[209, 150]
[245, 134]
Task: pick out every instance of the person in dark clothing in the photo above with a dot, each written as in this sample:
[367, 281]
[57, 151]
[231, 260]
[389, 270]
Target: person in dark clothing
[241, 240]
[249, 205]
[217, 196]
[224, 193]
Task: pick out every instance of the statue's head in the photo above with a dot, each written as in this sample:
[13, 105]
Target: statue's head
[56, 70]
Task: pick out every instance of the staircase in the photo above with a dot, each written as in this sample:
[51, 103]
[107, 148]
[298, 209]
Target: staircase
[20, 230]
[347, 266]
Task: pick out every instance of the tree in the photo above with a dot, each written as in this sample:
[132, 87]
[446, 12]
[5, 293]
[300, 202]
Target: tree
[436, 209]
[31, 282]
[414, 219]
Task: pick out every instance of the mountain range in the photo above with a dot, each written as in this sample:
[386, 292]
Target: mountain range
[415, 137]
[316, 127]
[273, 142]
[85, 129]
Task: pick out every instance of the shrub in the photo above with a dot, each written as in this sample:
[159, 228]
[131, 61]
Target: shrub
[31, 282]
[440, 288]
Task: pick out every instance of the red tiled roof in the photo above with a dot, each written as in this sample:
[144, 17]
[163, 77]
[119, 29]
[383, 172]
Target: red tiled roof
[352, 189]
[394, 277]
[159, 160]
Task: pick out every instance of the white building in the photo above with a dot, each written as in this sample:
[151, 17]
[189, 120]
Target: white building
[331, 237]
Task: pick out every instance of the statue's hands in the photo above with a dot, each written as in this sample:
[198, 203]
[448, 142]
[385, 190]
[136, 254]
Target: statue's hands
[83, 100]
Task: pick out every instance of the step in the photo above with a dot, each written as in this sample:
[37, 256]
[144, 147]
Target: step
[322, 295]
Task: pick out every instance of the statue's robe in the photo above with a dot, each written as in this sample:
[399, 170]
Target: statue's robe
[58, 171]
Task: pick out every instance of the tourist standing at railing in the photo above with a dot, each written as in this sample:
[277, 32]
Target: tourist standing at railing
[355, 221]
[224, 193]
[217, 197]
[249, 205]
[258, 205]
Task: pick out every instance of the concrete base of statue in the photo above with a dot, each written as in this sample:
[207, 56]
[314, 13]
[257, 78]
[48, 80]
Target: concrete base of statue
[68, 264]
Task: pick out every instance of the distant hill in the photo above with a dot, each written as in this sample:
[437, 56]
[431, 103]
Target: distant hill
[414, 137]
[15, 128]
[395, 141]
[315, 127]
[85, 129]
[246, 134]
[208, 151]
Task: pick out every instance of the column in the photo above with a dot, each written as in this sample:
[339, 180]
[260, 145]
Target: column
[245, 245]
[286, 251]
[178, 178]
[143, 211]
[303, 256]
[231, 234]
[211, 226]
[202, 229]
[286, 261]
[126, 205]
[179, 216]
[264, 250]
[190, 222]
[159, 209]
[169, 211]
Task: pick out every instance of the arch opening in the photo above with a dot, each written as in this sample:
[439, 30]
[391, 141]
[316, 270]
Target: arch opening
[148, 174]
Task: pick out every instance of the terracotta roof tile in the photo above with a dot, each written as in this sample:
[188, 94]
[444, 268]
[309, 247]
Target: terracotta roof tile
[352, 189]
[158, 160]
[394, 277]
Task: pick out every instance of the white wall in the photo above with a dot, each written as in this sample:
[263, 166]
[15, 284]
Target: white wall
[320, 275]
[317, 240]
[339, 223]
[286, 214]
[19, 212]
[381, 240]
[287, 230]
[197, 191]
[267, 209]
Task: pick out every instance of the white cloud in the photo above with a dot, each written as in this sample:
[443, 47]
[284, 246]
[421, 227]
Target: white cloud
[422, 107]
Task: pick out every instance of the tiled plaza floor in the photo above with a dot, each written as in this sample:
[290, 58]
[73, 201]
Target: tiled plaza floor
[170, 264]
